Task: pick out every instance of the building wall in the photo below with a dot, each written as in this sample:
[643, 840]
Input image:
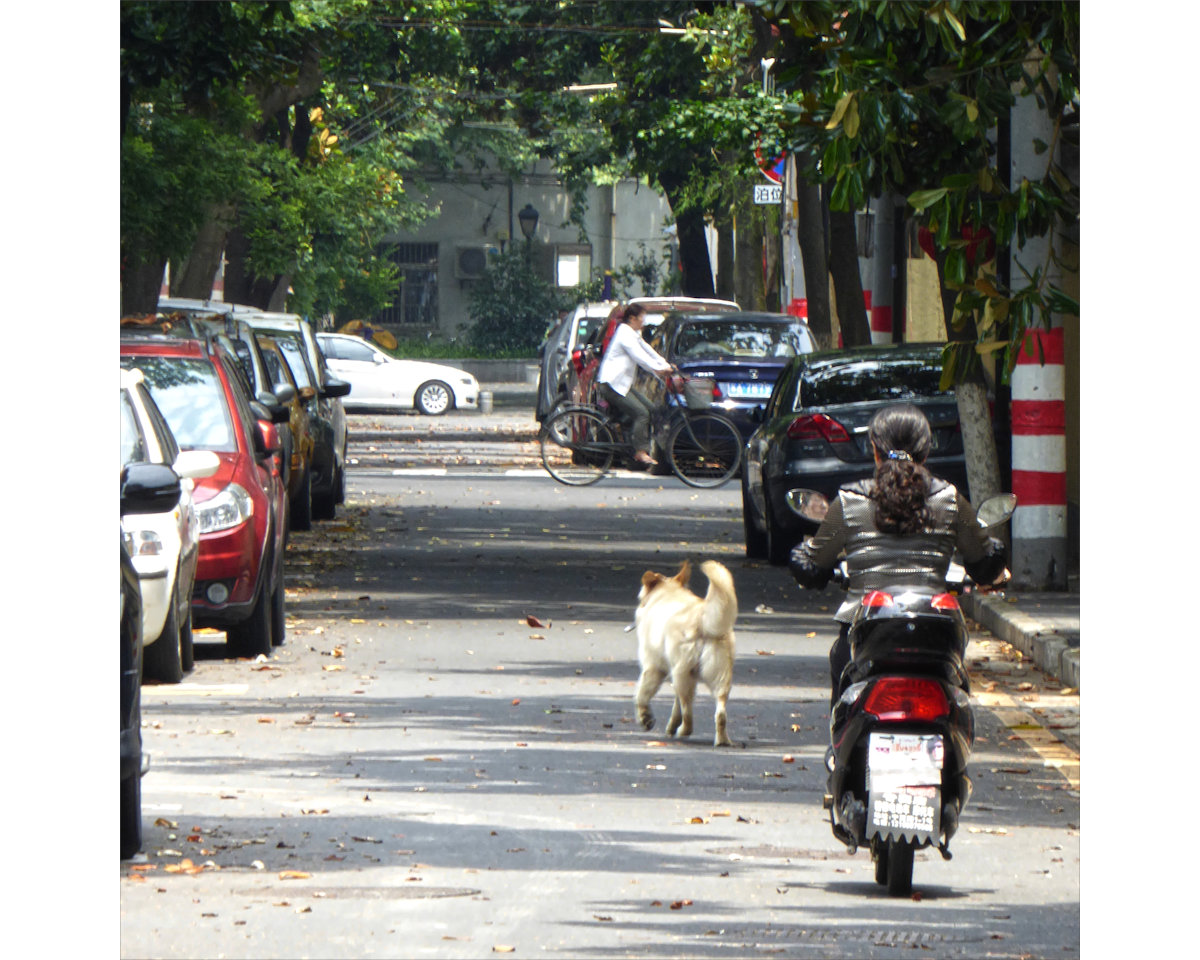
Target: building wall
[481, 210]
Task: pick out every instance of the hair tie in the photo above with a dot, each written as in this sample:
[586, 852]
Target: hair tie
[899, 455]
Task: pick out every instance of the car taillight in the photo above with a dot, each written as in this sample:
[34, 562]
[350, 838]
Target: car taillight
[944, 601]
[877, 598]
[577, 360]
[817, 426]
[906, 698]
[716, 391]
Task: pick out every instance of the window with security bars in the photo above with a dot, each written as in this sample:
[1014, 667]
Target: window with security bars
[416, 299]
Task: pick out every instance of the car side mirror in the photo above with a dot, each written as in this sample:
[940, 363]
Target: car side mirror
[285, 392]
[268, 440]
[335, 388]
[149, 488]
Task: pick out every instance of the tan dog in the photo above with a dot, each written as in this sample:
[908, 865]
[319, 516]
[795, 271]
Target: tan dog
[687, 639]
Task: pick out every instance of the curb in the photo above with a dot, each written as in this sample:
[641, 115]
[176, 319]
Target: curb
[1055, 651]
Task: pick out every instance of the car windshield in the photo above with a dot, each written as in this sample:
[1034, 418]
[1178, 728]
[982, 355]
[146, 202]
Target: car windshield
[296, 359]
[190, 396]
[133, 445]
[741, 338]
[894, 379]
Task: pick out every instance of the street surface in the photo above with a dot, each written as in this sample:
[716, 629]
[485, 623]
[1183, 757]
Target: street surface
[442, 760]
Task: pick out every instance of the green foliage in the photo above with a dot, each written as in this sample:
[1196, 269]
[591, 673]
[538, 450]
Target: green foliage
[904, 97]
[511, 305]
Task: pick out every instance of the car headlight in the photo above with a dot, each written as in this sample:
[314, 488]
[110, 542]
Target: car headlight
[144, 543]
[227, 509]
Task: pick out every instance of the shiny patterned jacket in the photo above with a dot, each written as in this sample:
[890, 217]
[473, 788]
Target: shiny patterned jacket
[878, 561]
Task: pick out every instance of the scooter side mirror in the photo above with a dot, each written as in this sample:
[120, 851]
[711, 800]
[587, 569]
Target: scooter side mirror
[996, 510]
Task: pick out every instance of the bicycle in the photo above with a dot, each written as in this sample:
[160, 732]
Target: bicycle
[580, 443]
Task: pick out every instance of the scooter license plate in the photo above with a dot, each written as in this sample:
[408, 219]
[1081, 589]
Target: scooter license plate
[904, 784]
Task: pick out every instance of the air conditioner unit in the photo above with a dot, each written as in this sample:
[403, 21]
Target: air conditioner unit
[470, 260]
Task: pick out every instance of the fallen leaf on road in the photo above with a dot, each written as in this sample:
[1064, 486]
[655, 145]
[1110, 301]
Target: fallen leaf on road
[501, 948]
[811, 634]
[788, 758]
[533, 621]
[763, 608]
[597, 916]
[697, 820]
[536, 636]
[765, 653]
[164, 822]
[294, 875]
[680, 904]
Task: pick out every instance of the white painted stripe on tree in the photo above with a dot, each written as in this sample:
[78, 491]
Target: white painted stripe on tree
[1033, 382]
[1046, 451]
[1033, 523]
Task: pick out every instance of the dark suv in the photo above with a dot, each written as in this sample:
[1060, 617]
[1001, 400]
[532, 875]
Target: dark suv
[813, 434]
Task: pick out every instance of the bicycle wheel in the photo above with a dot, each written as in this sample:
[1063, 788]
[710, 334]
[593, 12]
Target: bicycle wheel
[705, 449]
[577, 447]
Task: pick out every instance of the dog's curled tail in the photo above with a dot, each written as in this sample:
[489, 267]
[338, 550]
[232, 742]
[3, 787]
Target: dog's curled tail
[720, 603]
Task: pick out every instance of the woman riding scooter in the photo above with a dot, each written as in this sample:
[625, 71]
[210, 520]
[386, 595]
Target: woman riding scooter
[903, 525]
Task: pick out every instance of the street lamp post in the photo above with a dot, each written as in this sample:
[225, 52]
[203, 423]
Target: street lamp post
[528, 218]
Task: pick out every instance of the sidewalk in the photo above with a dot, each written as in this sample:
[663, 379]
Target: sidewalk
[1043, 626]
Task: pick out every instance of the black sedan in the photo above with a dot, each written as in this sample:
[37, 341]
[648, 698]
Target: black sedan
[813, 434]
[741, 353]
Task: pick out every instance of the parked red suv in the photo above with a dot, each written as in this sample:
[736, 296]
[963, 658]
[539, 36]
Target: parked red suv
[243, 507]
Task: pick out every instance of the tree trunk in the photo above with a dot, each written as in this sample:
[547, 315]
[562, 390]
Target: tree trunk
[970, 394]
[847, 283]
[772, 254]
[195, 278]
[240, 285]
[748, 259]
[726, 278]
[810, 234]
[141, 280]
[693, 255]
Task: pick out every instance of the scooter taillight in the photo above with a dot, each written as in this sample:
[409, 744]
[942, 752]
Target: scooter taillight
[944, 601]
[906, 698]
[877, 598]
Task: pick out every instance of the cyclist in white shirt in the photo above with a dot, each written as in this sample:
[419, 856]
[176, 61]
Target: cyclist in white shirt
[626, 352]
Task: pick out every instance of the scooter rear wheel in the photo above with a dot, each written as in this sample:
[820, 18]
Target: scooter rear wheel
[899, 868]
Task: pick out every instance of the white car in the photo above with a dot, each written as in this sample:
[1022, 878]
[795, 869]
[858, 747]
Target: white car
[164, 547]
[379, 380]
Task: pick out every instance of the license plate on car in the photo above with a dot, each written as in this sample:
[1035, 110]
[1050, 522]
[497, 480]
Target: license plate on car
[747, 391]
[904, 777]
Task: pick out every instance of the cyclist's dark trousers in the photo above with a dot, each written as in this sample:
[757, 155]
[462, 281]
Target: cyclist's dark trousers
[637, 408]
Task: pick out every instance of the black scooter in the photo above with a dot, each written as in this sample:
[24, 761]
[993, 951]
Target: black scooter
[902, 730]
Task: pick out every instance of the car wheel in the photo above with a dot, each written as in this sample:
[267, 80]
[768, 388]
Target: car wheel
[339, 484]
[131, 796]
[187, 648]
[301, 518]
[434, 398]
[756, 540]
[278, 628]
[163, 657]
[778, 547]
[253, 637]
[324, 505]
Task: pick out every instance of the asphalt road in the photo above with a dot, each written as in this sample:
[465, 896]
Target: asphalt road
[424, 771]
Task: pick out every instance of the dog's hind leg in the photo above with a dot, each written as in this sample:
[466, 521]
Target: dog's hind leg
[684, 683]
[651, 679]
[719, 687]
[676, 718]
[722, 737]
